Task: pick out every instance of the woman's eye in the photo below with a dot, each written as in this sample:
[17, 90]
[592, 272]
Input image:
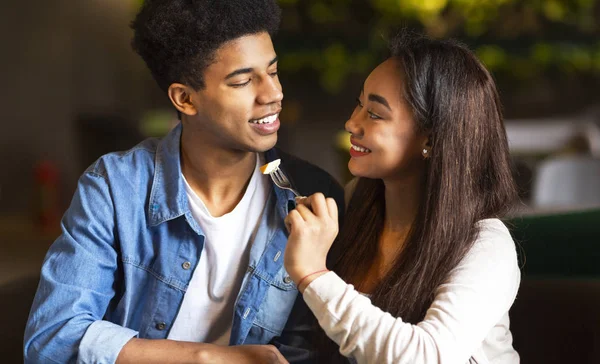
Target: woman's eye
[358, 103]
[275, 73]
[373, 116]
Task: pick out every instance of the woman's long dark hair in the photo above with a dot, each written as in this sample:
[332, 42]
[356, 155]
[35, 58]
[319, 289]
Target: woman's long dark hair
[468, 178]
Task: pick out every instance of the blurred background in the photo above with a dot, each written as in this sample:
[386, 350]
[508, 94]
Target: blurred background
[74, 90]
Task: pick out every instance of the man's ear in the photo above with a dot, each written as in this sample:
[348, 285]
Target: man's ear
[181, 97]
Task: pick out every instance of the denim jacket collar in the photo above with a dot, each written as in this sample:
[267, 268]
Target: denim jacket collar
[168, 199]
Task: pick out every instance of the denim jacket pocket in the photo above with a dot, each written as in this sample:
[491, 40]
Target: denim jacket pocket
[277, 304]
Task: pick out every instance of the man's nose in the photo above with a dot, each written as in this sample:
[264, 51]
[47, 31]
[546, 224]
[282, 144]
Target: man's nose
[270, 91]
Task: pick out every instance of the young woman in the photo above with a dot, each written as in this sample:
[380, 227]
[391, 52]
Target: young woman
[422, 271]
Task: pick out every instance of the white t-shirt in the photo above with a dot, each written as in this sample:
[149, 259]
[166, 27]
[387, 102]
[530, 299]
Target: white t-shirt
[468, 317]
[206, 313]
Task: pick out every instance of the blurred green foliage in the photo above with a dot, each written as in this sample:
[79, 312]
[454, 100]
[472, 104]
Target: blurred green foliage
[518, 41]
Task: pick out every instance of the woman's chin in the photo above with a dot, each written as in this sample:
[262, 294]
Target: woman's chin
[357, 170]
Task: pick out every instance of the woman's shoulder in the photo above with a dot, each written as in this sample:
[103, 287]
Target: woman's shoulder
[494, 241]
[493, 227]
[492, 260]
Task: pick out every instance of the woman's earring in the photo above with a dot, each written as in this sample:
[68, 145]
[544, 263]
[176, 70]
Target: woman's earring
[425, 153]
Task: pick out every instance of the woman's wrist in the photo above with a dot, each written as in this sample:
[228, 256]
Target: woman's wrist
[305, 281]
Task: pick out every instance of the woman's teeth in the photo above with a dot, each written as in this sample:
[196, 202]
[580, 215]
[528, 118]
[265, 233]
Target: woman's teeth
[360, 149]
[266, 120]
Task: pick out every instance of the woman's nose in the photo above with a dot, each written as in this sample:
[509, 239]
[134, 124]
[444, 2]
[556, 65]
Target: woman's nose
[352, 126]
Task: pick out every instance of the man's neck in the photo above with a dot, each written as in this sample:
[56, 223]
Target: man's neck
[218, 176]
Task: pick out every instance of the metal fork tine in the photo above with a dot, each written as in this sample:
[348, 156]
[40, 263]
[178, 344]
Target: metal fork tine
[283, 177]
[277, 177]
[281, 180]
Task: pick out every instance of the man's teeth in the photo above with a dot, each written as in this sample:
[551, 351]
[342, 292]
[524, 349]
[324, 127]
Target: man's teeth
[360, 149]
[267, 120]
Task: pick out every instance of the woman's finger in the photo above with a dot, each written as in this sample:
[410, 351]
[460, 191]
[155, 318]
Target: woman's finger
[293, 219]
[304, 212]
[288, 224]
[318, 204]
[301, 200]
[332, 208]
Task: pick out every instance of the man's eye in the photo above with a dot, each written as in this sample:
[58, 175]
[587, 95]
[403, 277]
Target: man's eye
[275, 73]
[241, 84]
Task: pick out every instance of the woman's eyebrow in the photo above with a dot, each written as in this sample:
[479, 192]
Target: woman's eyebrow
[380, 99]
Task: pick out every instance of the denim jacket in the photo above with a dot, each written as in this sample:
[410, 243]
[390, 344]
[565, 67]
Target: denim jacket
[129, 247]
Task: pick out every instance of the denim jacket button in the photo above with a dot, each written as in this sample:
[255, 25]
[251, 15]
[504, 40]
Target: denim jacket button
[186, 265]
[287, 280]
[161, 326]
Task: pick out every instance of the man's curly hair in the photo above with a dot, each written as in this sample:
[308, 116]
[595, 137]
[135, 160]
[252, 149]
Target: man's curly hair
[178, 38]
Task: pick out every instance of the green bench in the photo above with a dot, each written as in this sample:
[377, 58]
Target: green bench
[558, 245]
[555, 318]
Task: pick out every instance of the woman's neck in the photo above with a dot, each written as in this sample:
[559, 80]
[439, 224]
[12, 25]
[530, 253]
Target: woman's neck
[402, 199]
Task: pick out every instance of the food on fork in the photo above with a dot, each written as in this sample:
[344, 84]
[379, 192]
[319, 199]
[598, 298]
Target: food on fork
[270, 167]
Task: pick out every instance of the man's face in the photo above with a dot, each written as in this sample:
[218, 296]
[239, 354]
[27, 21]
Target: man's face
[239, 107]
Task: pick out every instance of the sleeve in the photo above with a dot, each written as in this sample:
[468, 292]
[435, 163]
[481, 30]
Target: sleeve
[477, 295]
[76, 285]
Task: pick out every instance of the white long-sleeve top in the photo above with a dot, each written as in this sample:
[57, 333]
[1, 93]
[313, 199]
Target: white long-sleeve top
[468, 317]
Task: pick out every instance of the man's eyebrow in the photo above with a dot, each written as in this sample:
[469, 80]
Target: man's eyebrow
[379, 99]
[242, 71]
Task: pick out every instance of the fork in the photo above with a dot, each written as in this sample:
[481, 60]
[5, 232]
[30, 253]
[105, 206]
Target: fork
[282, 181]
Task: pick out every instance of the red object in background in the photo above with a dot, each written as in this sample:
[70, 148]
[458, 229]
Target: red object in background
[47, 212]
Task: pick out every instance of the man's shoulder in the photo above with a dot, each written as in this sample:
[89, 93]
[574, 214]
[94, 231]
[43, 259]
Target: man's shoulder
[294, 164]
[139, 158]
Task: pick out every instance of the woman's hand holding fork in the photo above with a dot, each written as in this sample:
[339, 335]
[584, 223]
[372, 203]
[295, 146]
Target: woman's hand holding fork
[313, 226]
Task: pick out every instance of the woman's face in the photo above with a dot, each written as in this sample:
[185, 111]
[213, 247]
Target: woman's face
[385, 139]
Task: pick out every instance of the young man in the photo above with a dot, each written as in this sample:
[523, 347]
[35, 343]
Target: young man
[182, 238]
